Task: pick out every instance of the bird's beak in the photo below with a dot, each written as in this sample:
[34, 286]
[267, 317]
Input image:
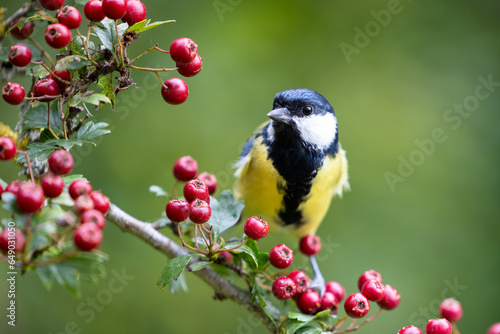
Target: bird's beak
[280, 115]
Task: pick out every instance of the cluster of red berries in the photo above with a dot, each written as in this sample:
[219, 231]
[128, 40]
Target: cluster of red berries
[184, 52]
[197, 191]
[89, 205]
[58, 35]
[451, 312]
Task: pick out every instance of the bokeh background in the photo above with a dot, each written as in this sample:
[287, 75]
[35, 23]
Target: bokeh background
[432, 233]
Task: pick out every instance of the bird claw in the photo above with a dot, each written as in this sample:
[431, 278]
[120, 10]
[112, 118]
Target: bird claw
[318, 282]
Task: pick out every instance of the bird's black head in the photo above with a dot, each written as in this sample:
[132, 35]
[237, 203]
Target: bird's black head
[306, 115]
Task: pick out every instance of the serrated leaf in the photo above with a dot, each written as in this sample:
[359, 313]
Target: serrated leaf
[39, 72]
[225, 212]
[152, 25]
[89, 265]
[67, 144]
[92, 130]
[46, 275]
[96, 99]
[158, 191]
[107, 33]
[37, 117]
[36, 17]
[198, 265]
[74, 62]
[301, 317]
[173, 269]
[258, 295]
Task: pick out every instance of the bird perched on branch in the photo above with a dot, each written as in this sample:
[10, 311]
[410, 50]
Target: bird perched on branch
[293, 165]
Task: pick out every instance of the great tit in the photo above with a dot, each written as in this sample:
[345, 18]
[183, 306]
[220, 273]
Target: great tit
[292, 166]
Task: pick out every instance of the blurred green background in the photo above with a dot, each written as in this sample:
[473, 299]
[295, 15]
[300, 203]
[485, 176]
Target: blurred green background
[432, 233]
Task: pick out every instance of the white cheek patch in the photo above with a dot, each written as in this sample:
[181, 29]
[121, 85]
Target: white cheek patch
[317, 130]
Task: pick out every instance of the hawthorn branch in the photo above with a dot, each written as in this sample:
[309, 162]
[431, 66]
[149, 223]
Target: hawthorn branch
[162, 243]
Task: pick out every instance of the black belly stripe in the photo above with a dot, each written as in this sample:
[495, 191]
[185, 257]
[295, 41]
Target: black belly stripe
[298, 164]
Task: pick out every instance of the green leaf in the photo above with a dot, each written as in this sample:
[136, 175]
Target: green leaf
[138, 25]
[107, 33]
[262, 258]
[178, 285]
[106, 83]
[46, 275]
[90, 130]
[95, 99]
[258, 296]
[67, 144]
[225, 212]
[198, 265]
[173, 269]
[67, 276]
[89, 265]
[246, 252]
[9, 202]
[39, 72]
[151, 26]
[78, 43]
[301, 317]
[74, 62]
[158, 191]
[37, 117]
[41, 151]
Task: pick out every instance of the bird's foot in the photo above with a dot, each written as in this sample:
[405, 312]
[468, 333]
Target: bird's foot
[318, 282]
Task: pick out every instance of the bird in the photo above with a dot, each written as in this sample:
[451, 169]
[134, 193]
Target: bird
[292, 165]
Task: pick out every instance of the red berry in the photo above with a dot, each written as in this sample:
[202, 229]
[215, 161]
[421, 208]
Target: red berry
[185, 168]
[13, 187]
[93, 10]
[356, 305]
[373, 290]
[284, 288]
[70, 17]
[337, 289]
[301, 280]
[281, 256]
[177, 210]
[78, 188]
[199, 211]
[46, 87]
[87, 236]
[101, 202]
[51, 4]
[183, 50]
[174, 91]
[93, 216]
[25, 31]
[451, 309]
[309, 302]
[12, 237]
[368, 275]
[192, 68]
[310, 245]
[83, 203]
[494, 329]
[62, 74]
[391, 298]
[29, 197]
[410, 330]
[329, 302]
[114, 9]
[438, 326]
[195, 189]
[19, 55]
[136, 12]
[209, 180]
[7, 148]
[256, 228]
[13, 93]
[52, 185]
[60, 162]
[57, 35]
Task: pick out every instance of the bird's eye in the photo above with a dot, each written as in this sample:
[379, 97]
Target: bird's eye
[307, 110]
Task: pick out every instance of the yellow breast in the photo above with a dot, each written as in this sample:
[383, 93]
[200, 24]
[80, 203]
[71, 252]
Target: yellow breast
[261, 187]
